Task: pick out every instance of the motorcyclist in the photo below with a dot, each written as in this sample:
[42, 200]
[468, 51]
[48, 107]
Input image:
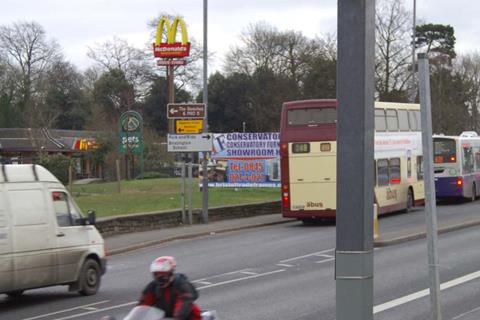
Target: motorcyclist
[171, 291]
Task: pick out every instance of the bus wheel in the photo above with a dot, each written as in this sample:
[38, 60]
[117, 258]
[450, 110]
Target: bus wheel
[474, 192]
[410, 202]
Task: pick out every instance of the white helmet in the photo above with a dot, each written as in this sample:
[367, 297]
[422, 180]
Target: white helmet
[163, 264]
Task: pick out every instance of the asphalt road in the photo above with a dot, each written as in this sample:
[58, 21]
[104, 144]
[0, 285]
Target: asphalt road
[282, 272]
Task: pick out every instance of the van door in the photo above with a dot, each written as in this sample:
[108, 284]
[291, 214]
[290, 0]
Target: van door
[6, 257]
[33, 239]
[72, 236]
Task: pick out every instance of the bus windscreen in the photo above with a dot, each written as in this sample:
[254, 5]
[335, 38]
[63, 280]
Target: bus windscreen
[311, 116]
[444, 150]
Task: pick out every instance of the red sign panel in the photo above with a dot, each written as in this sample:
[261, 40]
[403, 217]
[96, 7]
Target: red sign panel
[171, 62]
[186, 111]
[171, 50]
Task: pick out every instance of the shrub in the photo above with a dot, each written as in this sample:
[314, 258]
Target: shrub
[57, 164]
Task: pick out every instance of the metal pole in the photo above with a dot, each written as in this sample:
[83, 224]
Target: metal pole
[414, 31]
[205, 121]
[355, 135]
[171, 95]
[182, 195]
[190, 193]
[430, 200]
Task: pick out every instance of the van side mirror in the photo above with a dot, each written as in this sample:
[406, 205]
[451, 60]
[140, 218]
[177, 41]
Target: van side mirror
[91, 217]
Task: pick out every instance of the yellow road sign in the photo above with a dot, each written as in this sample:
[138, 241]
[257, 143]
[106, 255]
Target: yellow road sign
[188, 126]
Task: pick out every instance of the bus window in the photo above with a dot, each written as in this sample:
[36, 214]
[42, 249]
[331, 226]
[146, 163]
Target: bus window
[303, 147]
[394, 170]
[392, 120]
[311, 116]
[382, 172]
[444, 150]
[467, 160]
[477, 161]
[414, 120]
[380, 122]
[419, 167]
[403, 120]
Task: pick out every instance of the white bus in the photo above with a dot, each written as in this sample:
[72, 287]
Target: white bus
[457, 165]
[308, 158]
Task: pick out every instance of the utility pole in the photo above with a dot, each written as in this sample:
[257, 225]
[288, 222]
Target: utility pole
[355, 136]
[430, 199]
[205, 121]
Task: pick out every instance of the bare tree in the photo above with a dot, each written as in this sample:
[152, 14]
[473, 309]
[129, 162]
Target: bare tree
[393, 51]
[28, 51]
[118, 54]
[468, 67]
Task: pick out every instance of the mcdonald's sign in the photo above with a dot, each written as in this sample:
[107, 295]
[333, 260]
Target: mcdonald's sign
[171, 48]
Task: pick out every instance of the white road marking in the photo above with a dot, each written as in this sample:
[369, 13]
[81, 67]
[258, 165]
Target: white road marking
[466, 313]
[241, 279]
[307, 255]
[249, 272]
[284, 265]
[202, 282]
[67, 310]
[423, 293]
[99, 310]
[326, 260]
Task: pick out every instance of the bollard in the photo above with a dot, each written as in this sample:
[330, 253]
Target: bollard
[375, 221]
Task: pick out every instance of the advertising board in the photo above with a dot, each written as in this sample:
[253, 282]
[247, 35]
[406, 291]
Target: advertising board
[245, 160]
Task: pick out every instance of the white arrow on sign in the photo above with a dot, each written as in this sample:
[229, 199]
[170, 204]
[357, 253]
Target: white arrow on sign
[189, 142]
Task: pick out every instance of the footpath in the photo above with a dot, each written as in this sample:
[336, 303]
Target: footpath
[117, 244]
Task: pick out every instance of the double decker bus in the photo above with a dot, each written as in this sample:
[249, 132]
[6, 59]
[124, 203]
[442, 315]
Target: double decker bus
[456, 164]
[308, 158]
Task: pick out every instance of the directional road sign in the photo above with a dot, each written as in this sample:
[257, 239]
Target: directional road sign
[189, 142]
[186, 111]
[189, 126]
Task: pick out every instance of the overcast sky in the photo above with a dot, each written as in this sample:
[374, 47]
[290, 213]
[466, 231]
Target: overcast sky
[76, 24]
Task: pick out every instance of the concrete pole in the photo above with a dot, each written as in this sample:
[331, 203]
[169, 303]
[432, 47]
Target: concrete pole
[190, 219]
[205, 121]
[430, 199]
[182, 195]
[355, 135]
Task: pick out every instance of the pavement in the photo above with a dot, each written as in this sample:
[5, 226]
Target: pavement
[122, 243]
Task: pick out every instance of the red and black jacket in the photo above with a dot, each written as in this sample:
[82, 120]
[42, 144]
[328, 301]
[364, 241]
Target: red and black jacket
[176, 300]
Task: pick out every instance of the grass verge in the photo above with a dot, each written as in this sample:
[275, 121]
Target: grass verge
[159, 194]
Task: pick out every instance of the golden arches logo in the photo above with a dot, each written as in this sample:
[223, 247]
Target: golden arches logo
[171, 48]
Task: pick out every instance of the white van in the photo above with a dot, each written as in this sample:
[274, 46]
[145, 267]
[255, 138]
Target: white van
[44, 240]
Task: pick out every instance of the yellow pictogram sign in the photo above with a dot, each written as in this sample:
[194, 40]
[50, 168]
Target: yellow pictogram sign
[171, 48]
[188, 126]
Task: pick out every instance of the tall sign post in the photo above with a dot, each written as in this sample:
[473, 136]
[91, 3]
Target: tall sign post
[355, 138]
[205, 121]
[171, 51]
[430, 199]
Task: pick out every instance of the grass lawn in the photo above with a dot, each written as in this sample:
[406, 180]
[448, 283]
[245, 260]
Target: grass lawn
[159, 194]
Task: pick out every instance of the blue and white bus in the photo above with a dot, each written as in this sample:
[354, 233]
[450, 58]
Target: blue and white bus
[457, 165]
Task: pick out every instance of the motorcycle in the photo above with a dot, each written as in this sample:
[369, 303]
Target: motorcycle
[152, 313]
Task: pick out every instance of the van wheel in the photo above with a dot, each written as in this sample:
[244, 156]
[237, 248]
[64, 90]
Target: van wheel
[89, 279]
[410, 201]
[15, 294]
[474, 193]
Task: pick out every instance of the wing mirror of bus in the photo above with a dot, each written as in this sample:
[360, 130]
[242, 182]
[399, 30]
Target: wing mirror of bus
[91, 217]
